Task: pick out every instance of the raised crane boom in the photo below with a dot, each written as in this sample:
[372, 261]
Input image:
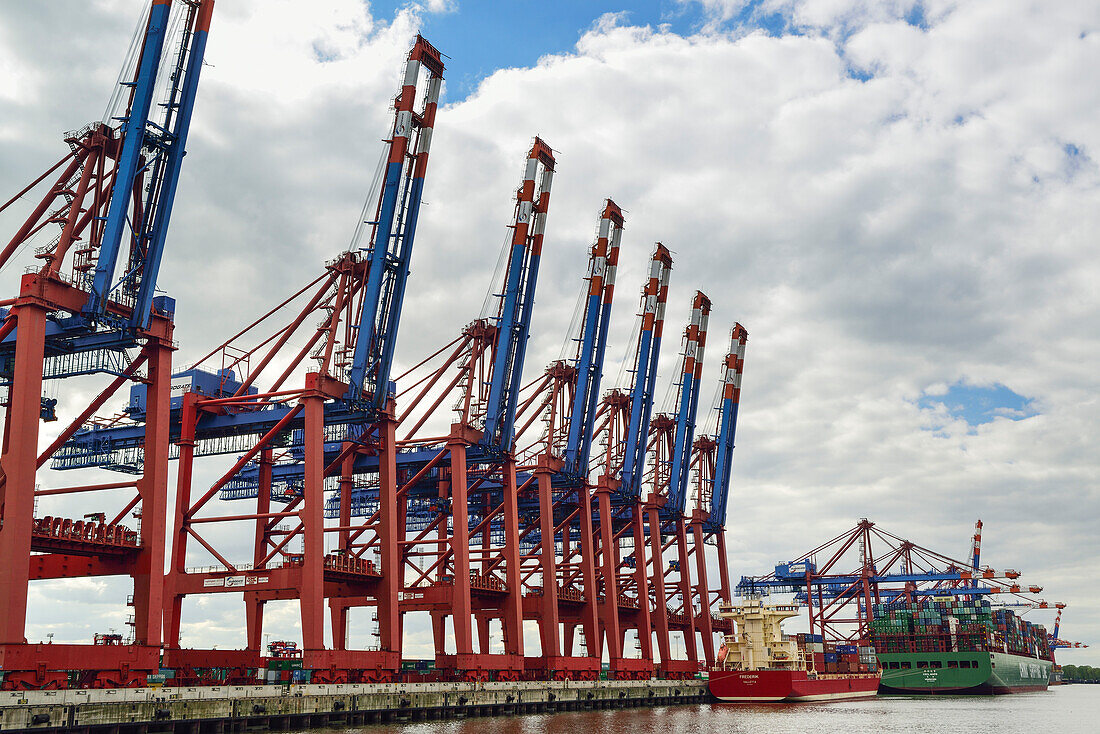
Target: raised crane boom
[514, 321]
[593, 344]
[121, 183]
[727, 423]
[394, 229]
[695, 341]
[645, 372]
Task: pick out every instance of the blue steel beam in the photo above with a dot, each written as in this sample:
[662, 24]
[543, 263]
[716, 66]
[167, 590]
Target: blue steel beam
[173, 163]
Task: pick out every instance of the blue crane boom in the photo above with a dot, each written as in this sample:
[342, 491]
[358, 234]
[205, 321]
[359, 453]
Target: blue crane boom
[734, 365]
[133, 140]
[645, 373]
[182, 99]
[394, 230]
[514, 321]
[695, 339]
[593, 343]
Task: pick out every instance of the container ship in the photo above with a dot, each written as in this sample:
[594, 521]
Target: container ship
[760, 664]
[957, 646]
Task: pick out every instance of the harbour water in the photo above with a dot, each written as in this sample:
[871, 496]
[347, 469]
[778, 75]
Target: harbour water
[1068, 709]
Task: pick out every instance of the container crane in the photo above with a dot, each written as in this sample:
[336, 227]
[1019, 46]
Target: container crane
[556, 514]
[623, 428]
[670, 441]
[712, 457]
[1056, 642]
[283, 435]
[117, 185]
[459, 491]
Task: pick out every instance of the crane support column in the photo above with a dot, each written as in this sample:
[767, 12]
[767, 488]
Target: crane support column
[19, 461]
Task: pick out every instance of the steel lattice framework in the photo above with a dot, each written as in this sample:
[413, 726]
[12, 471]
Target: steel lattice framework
[80, 313]
[885, 568]
[453, 489]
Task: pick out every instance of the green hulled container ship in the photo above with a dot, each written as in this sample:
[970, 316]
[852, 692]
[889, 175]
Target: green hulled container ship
[958, 647]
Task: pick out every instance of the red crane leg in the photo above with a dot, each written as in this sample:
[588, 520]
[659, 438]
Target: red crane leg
[483, 634]
[153, 489]
[512, 623]
[346, 483]
[608, 572]
[704, 593]
[312, 514]
[338, 611]
[391, 530]
[685, 590]
[184, 470]
[439, 633]
[461, 612]
[19, 464]
[641, 579]
[590, 612]
[254, 606]
[723, 567]
[660, 613]
[548, 624]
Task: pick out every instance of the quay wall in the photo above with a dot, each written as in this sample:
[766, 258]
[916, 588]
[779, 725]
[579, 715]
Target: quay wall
[218, 709]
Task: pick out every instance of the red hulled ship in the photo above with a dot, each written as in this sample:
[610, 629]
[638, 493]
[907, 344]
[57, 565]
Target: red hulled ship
[759, 664]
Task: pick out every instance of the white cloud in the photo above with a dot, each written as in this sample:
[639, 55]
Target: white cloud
[880, 239]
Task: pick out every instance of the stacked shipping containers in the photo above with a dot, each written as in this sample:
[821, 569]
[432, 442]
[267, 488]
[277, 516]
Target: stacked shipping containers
[830, 657]
[954, 625]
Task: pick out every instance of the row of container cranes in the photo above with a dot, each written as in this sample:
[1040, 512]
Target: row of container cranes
[462, 488]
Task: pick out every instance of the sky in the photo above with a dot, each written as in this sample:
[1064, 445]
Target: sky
[897, 198]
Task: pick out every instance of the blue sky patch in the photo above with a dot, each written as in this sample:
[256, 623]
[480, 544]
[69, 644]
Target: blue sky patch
[980, 404]
[481, 36]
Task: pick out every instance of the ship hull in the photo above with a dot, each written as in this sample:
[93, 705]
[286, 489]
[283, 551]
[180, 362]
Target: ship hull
[788, 686]
[987, 673]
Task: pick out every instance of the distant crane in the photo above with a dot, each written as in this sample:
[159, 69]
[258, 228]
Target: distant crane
[831, 593]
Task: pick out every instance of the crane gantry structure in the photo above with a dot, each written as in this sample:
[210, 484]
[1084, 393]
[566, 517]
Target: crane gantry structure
[454, 489]
[81, 313]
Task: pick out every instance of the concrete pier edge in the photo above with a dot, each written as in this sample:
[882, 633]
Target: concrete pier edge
[217, 709]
